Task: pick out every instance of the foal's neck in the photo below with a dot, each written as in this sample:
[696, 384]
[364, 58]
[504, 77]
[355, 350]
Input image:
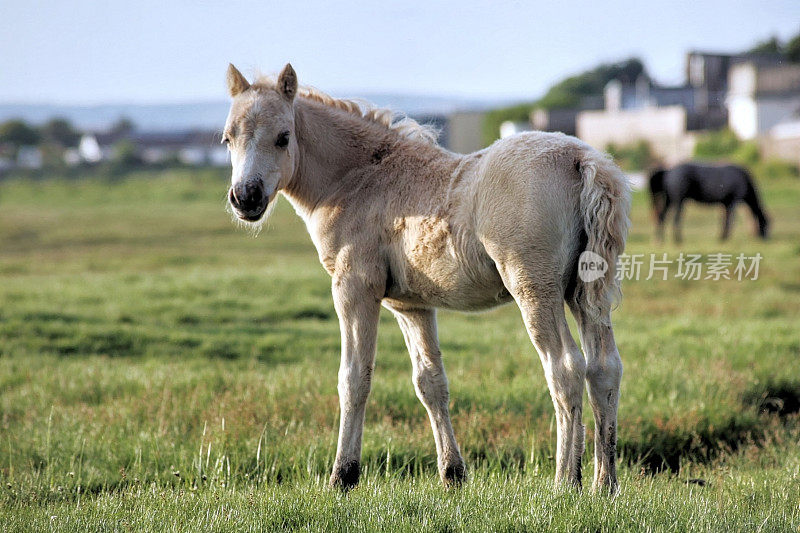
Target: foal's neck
[332, 145]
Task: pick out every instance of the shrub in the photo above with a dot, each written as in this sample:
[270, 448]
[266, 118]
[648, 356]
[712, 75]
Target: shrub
[126, 157]
[716, 144]
[747, 153]
[18, 133]
[637, 156]
[494, 118]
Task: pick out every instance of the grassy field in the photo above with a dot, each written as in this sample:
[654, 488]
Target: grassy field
[160, 369]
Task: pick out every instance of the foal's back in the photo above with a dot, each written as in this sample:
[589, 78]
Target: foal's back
[521, 191]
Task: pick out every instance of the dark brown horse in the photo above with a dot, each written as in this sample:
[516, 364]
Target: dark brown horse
[727, 185]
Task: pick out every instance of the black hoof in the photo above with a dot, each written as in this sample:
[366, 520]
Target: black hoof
[346, 476]
[454, 475]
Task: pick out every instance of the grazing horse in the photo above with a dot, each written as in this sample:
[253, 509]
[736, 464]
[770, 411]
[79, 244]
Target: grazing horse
[401, 222]
[726, 185]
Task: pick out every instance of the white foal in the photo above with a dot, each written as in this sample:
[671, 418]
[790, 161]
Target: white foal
[399, 221]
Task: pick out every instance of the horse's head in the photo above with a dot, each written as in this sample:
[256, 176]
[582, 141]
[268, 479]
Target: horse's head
[657, 191]
[260, 135]
[763, 226]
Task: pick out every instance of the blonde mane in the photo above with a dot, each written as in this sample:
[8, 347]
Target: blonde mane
[397, 122]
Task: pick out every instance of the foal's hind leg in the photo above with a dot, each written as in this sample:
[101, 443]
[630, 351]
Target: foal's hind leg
[430, 382]
[542, 306]
[603, 375]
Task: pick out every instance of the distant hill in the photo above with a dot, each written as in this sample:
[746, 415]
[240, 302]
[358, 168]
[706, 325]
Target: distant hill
[210, 115]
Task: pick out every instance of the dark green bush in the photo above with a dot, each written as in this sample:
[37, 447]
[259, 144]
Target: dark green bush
[638, 156]
[716, 144]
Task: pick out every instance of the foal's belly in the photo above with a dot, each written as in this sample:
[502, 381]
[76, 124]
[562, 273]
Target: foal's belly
[467, 298]
[438, 270]
[457, 294]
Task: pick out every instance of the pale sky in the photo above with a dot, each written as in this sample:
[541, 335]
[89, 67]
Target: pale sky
[91, 52]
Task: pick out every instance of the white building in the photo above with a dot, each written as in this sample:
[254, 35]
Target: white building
[760, 97]
[664, 128]
[89, 149]
[783, 141]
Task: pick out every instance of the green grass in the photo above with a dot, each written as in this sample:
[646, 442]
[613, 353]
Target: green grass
[160, 369]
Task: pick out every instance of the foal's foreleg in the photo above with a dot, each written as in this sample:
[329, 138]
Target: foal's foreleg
[430, 382]
[603, 375]
[358, 311]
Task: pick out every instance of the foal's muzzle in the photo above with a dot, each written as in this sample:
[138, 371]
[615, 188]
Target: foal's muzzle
[249, 199]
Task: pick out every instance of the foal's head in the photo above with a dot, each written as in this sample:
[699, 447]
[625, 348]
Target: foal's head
[260, 135]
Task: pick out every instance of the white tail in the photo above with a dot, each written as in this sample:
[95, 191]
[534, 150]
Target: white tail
[605, 207]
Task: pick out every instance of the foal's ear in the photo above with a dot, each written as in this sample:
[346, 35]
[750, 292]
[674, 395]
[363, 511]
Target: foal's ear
[237, 83]
[287, 82]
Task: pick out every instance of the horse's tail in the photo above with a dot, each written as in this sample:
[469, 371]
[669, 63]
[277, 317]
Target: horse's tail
[605, 201]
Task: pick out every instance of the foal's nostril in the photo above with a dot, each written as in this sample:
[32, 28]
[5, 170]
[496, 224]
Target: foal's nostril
[248, 197]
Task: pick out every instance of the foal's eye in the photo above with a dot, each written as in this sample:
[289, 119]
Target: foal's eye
[283, 140]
